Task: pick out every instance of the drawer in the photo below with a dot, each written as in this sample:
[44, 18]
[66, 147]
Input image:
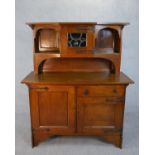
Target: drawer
[108, 90]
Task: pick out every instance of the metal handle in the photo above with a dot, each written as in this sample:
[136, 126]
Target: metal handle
[43, 88]
[115, 100]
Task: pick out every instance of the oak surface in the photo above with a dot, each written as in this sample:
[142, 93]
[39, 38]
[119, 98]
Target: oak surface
[77, 78]
[77, 90]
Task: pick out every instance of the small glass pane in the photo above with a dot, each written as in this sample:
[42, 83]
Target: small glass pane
[77, 39]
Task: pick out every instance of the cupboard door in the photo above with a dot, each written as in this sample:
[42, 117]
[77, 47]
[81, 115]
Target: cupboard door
[53, 109]
[97, 115]
[77, 39]
[48, 40]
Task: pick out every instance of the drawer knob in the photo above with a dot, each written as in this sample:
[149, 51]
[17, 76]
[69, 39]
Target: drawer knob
[114, 91]
[86, 92]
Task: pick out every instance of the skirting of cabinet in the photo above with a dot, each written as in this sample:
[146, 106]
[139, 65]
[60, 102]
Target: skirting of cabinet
[111, 137]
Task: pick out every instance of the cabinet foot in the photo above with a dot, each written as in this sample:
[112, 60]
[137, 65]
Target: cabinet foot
[39, 137]
[114, 139]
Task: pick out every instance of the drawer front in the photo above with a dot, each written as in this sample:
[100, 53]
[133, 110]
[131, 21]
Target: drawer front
[108, 90]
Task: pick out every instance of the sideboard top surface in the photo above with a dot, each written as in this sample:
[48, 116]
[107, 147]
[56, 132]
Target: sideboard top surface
[79, 78]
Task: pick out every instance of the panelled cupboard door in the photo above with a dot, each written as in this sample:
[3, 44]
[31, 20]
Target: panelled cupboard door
[97, 115]
[53, 108]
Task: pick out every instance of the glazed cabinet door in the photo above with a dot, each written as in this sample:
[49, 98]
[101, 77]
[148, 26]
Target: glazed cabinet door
[52, 109]
[77, 39]
[100, 109]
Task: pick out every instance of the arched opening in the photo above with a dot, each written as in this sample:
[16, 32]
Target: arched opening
[47, 40]
[108, 38]
[76, 65]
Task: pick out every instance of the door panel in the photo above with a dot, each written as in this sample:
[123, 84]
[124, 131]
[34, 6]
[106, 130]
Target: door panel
[55, 107]
[51, 108]
[97, 114]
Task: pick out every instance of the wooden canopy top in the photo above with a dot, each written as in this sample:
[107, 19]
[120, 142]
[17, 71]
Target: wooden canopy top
[79, 78]
[32, 24]
[114, 24]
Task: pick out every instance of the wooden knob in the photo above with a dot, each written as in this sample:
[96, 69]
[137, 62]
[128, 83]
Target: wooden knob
[114, 91]
[86, 92]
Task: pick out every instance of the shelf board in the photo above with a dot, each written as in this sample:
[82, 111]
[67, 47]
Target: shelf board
[86, 55]
[94, 54]
[89, 54]
[47, 54]
[105, 51]
[32, 24]
[50, 52]
[114, 24]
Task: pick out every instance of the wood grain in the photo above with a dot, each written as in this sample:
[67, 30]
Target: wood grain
[77, 90]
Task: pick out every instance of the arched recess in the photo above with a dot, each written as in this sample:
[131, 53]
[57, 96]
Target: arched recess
[46, 39]
[40, 66]
[76, 65]
[108, 38]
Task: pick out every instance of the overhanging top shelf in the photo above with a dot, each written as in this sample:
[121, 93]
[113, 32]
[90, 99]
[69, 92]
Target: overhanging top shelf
[32, 24]
[114, 24]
